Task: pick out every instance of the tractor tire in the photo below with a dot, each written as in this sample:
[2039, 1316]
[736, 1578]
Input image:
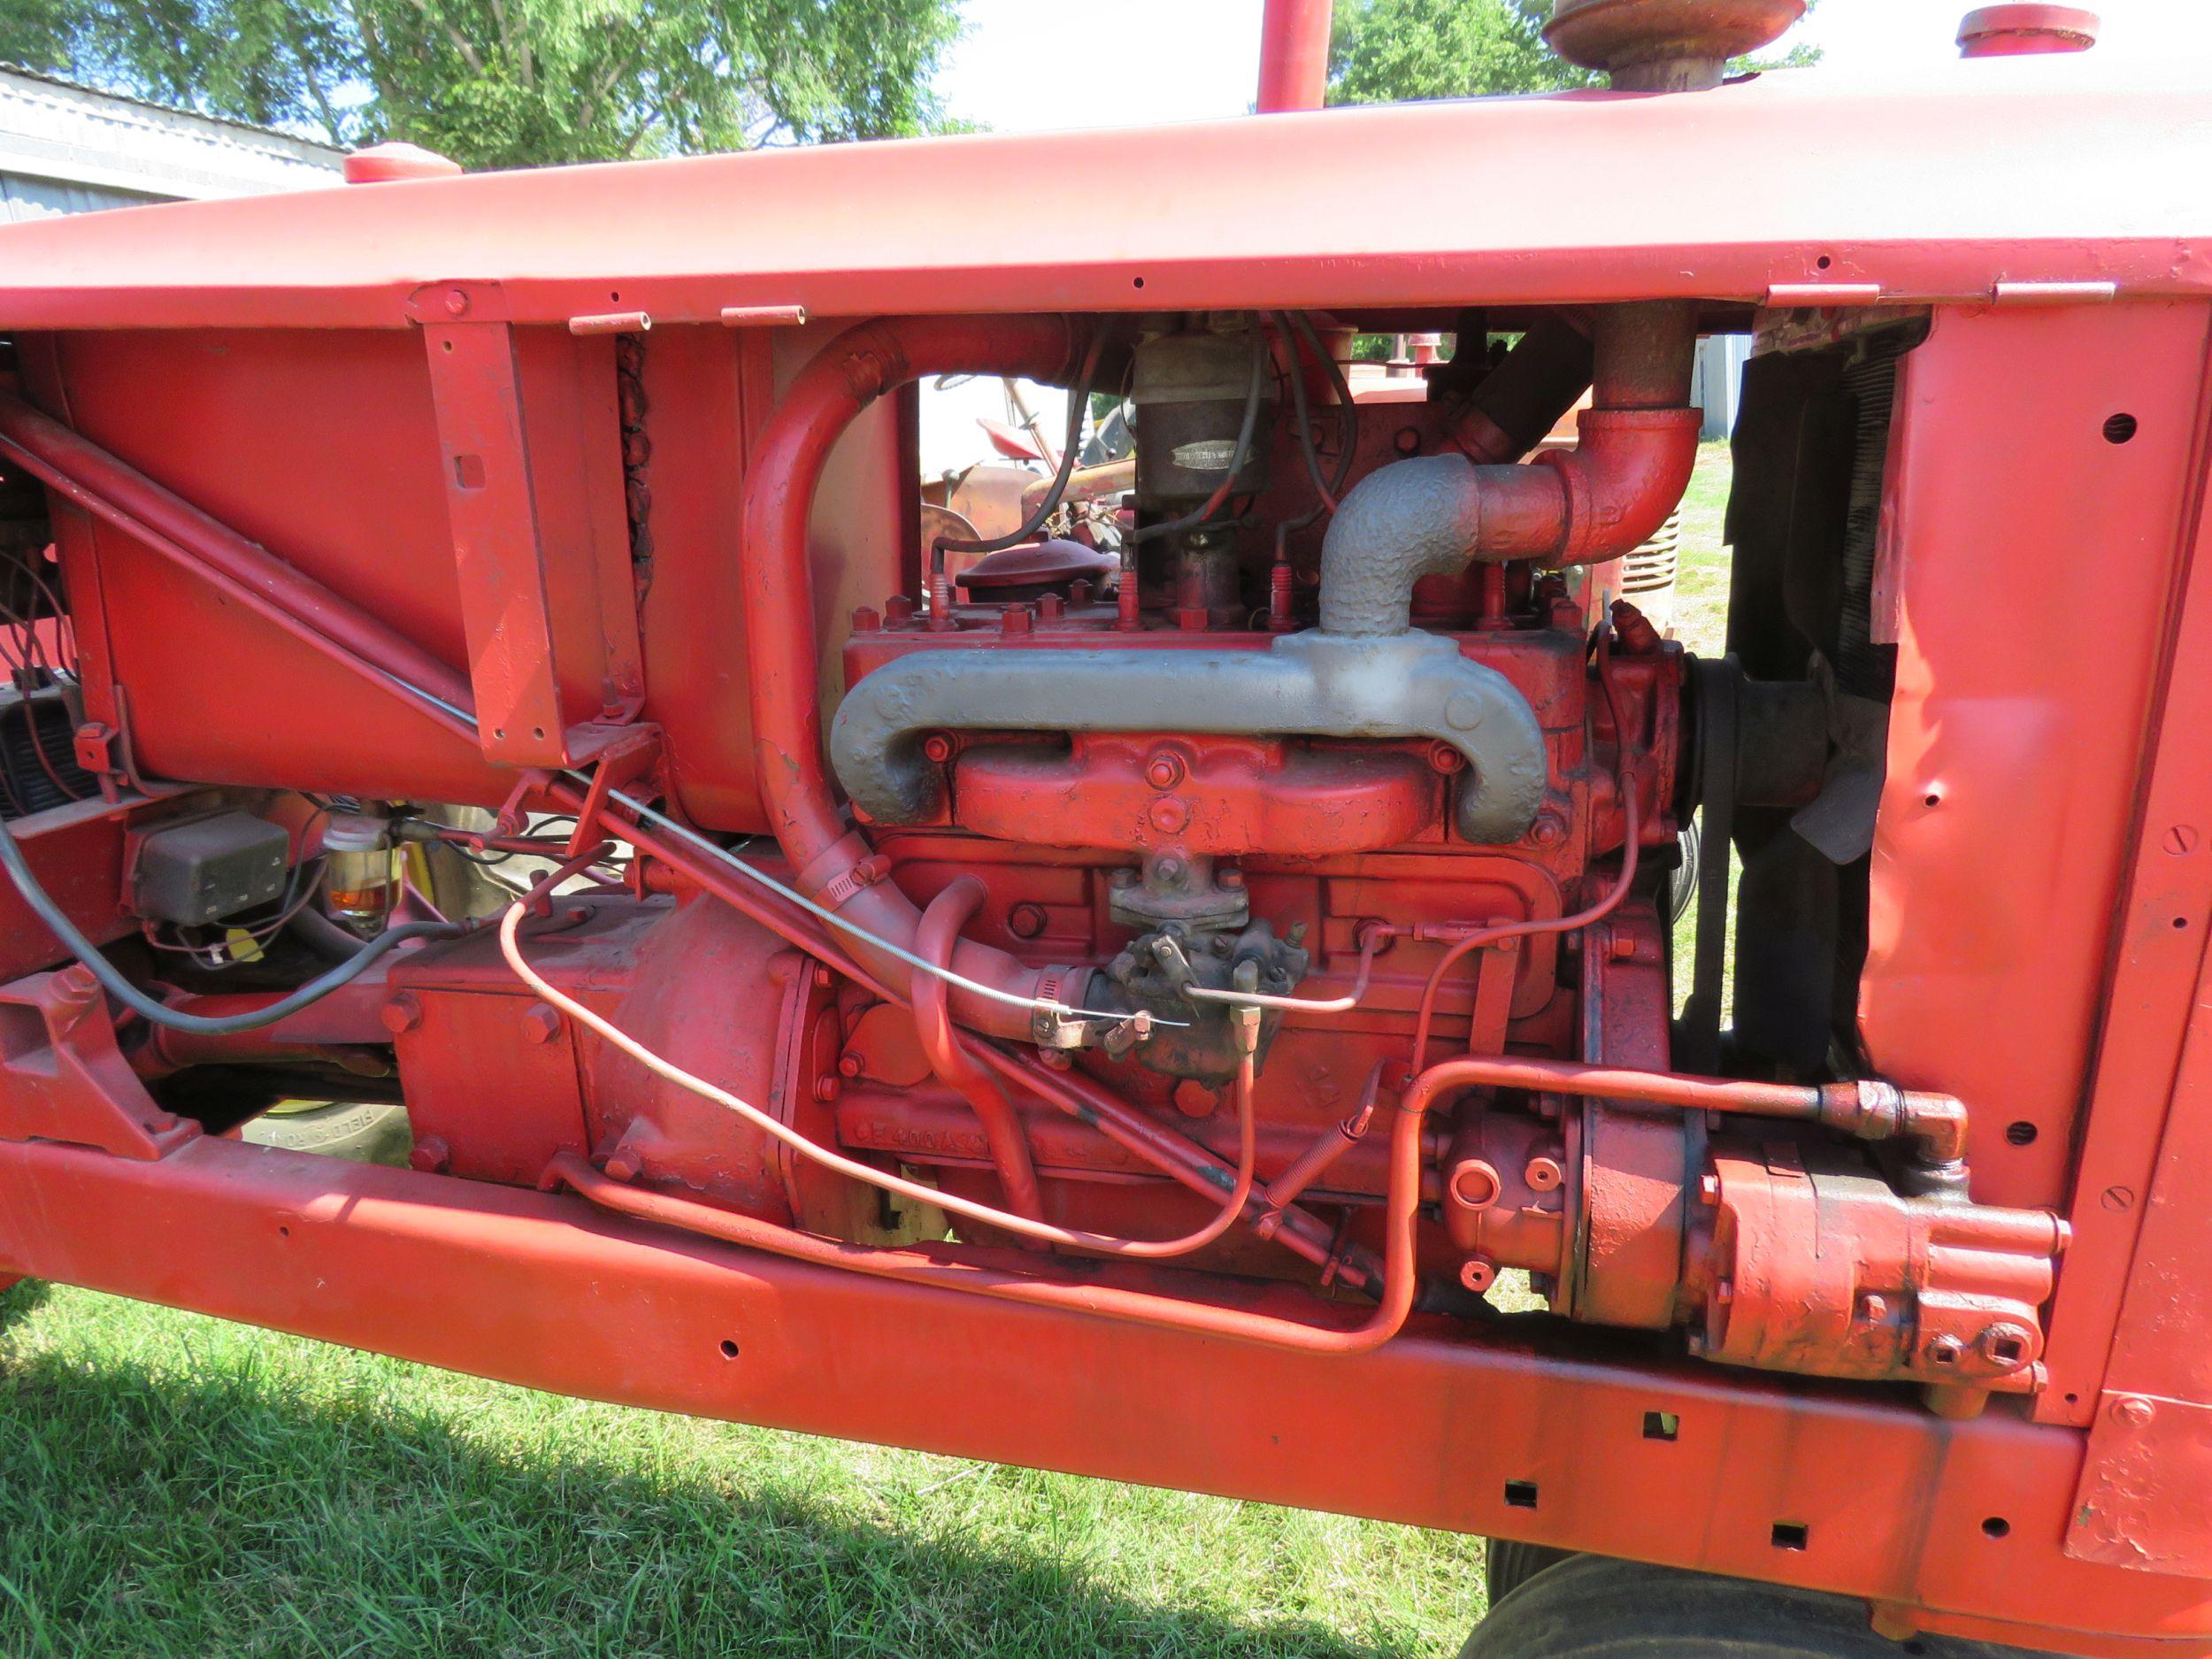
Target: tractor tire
[365, 1133]
[1508, 1565]
[1593, 1607]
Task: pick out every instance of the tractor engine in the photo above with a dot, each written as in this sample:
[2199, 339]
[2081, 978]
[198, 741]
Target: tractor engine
[1267, 876]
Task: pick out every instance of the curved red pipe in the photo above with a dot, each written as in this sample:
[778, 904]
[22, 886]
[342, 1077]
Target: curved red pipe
[1401, 1267]
[830, 392]
[933, 940]
[1637, 446]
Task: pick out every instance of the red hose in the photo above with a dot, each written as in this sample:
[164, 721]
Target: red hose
[1402, 1212]
[1482, 936]
[779, 620]
[941, 922]
[1080, 1097]
[1103, 1244]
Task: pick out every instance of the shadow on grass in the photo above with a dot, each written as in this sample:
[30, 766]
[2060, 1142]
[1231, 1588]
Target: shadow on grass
[157, 1509]
[22, 1298]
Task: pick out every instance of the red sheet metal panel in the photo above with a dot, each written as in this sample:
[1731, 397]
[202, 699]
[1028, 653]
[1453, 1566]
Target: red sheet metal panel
[2031, 559]
[1932, 182]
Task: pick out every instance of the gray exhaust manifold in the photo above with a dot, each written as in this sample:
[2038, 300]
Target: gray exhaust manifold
[1316, 684]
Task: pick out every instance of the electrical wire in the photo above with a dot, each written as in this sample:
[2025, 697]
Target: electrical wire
[1233, 1206]
[1292, 330]
[1348, 410]
[989, 993]
[1262, 358]
[158, 1013]
[1079, 405]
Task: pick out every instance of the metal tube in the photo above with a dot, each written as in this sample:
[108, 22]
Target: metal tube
[164, 521]
[1400, 1273]
[1295, 54]
[779, 617]
[941, 922]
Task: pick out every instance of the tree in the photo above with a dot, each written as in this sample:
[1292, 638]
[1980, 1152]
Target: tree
[499, 83]
[1393, 51]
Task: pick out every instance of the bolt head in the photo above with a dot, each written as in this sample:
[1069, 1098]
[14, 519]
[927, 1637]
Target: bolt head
[1194, 1099]
[2134, 1411]
[828, 1087]
[1477, 1274]
[430, 1155]
[848, 1065]
[402, 1013]
[1543, 1174]
[541, 1023]
[1164, 769]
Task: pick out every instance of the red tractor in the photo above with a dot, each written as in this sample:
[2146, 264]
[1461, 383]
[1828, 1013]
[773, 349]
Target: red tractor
[1127, 1013]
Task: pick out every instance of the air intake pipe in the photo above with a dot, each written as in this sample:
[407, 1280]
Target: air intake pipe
[1582, 506]
[834, 865]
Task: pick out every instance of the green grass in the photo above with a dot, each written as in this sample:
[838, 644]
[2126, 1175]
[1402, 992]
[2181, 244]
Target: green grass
[1700, 622]
[171, 1485]
[1701, 591]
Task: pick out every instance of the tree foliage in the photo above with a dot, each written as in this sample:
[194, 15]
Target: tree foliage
[512, 82]
[1390, 51]
[1393, 51]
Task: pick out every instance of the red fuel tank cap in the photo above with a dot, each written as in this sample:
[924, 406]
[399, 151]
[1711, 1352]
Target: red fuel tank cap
[2015, 29]
[389, 164]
